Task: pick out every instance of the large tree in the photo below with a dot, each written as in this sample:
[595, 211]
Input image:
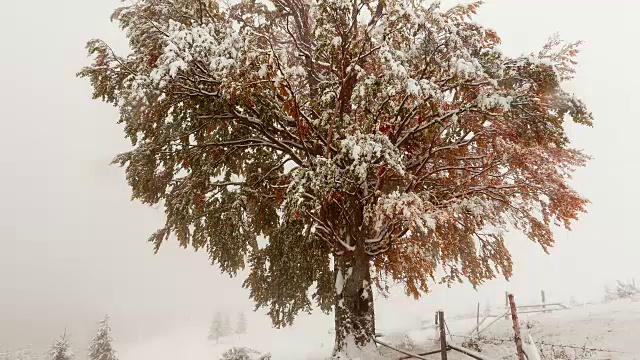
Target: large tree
[368, 141]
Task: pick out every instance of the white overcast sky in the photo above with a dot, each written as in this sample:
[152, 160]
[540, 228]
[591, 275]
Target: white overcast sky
[72, 244]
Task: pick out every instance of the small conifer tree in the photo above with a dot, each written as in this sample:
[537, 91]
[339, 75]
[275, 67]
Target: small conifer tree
[241, 328]
[216, 330]
[101, 347]
[61, 348]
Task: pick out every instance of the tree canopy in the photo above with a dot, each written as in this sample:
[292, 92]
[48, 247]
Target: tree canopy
[391, 136]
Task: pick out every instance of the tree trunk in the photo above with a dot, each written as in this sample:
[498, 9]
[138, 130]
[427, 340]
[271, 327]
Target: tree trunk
[354, 313]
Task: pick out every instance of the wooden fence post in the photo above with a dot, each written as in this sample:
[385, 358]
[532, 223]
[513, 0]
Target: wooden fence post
[443, 336]
[478, 319]
[516, 328]
[506, 305]
[544, 300]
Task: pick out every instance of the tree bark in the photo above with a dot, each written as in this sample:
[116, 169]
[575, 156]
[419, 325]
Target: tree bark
[354, 313]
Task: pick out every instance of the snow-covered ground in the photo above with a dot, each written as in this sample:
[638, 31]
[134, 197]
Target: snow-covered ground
[574, 332]
[308, 339]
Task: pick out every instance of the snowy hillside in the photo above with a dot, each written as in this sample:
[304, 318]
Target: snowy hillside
[599, 331]
[614, 327]
[567, 334]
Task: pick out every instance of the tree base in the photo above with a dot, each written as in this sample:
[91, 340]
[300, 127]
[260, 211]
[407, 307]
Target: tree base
[354, 315]
[352, 351]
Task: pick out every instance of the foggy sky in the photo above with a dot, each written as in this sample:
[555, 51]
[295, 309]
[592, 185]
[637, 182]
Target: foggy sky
[73, 246]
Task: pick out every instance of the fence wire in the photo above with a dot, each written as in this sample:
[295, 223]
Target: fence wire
[500, 341]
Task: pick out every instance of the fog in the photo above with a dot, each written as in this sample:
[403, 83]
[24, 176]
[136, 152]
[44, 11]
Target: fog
[73, 244]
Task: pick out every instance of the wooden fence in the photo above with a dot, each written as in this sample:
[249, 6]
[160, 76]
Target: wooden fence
[447, 346]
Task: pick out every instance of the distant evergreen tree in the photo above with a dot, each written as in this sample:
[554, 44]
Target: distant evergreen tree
[241, 328]
[101, 347]
[61, 349]
[24, 353]
[5, 354]
[487, 308]
[216, 330]
[227, 329]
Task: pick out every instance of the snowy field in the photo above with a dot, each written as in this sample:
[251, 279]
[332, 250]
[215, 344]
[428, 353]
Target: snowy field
[564, 334]
[575, 333]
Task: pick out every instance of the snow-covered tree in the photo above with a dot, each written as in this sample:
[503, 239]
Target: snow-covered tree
[227, 329]
[622, 291]
[241, 327]
[368, 141]
[61, 349]
[487, 308]
[22, 353]
[25, 353]
[243, 353]
[216, 329]
[101, 347]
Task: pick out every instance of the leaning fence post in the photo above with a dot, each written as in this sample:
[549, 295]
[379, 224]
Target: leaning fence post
[443, 336]
[478, 319]
[516, 328]
[506, 305]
